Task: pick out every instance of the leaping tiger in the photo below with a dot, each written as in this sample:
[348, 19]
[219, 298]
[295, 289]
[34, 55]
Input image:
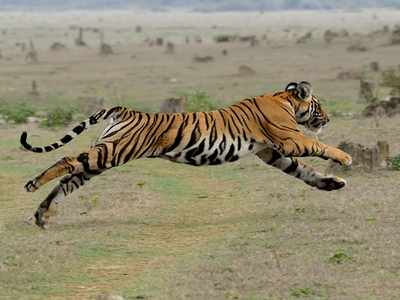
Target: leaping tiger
[266, 126]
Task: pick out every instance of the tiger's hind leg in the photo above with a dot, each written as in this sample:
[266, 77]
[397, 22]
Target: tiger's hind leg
[79, 170]
[294, 167]
[66, 186]
[91, 162]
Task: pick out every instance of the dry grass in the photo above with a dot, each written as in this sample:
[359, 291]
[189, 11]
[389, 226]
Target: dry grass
[157, 230]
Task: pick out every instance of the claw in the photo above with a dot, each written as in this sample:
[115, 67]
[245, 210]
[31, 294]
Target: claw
[31, 186]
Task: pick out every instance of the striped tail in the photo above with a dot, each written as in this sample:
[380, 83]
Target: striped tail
[92, 120]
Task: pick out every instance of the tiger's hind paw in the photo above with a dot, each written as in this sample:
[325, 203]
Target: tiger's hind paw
[31, 186]
[331, 183]
[41, 219]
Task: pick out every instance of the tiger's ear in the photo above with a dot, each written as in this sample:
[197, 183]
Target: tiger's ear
[302, 90]
[291, 86]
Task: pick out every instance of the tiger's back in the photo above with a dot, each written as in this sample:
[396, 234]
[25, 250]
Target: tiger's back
[197, 138]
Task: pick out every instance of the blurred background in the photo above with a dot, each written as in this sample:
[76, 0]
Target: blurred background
[156, 230]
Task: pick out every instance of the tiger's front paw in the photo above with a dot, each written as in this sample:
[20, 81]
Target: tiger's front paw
[347, 161]
[32, 185]
[331, 183]
[343, 158]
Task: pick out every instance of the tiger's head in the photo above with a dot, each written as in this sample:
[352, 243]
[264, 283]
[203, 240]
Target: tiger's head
[307, 108]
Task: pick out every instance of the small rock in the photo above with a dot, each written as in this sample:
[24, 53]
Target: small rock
[32, 120]
[246, 71]
[109, 297]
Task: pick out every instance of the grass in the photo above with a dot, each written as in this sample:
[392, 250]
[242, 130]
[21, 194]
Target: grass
[302, 292]
[340, 257]
[342, 107]
[156, 229]
[200, 101]
[59, 116]
[395, 162]
[17, 112]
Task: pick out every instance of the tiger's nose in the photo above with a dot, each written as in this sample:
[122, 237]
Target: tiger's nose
[327, 119]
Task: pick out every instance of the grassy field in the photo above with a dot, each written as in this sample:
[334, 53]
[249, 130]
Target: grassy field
[152, 229]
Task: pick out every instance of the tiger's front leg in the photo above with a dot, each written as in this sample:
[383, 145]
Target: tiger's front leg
[295, 168]
[298, 145]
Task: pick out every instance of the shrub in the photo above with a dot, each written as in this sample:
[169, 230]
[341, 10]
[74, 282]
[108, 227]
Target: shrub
[200, 101]
[391, 79]
[302, 292]
[394, 163]
[59, 116]
[340, 257]
[17, 113]
[225, 38]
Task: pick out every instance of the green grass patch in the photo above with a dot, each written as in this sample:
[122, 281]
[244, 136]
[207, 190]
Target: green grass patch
[340, 257]
[200, 101]
[17, 112]
[14, 167]
[304, 292]
[341, 107]
[59, 116]
[394, 163]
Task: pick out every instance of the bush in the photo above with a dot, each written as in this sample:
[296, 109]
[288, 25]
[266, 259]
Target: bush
[17, 113]
[394, 163]
[391, 79]
[58, 117]
[200, 101]
[225, 38]
[340, 257]
[302, 292]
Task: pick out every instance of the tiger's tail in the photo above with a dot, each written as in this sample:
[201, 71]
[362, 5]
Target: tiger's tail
[77, 130]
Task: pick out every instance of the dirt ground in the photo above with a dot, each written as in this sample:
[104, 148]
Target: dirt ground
[157, 230]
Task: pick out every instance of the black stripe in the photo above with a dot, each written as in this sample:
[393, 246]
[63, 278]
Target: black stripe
[206, 120]
[112, 110]
[195, 151]
[178, 139]
[222, 144]
[154, 137]
[213, 156]
[292, 168]
[66, 139]
[55, 145]
[137, 134]
[149, 134]
[133, 132]
[78, 129]
[275, 156]
[75, 184]
[231, 151]
[194, 136]
[234, 123]
[244, 120]
[84, 159]
[213, 135]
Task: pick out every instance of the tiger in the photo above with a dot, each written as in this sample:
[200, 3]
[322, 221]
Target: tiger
[266, 126]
